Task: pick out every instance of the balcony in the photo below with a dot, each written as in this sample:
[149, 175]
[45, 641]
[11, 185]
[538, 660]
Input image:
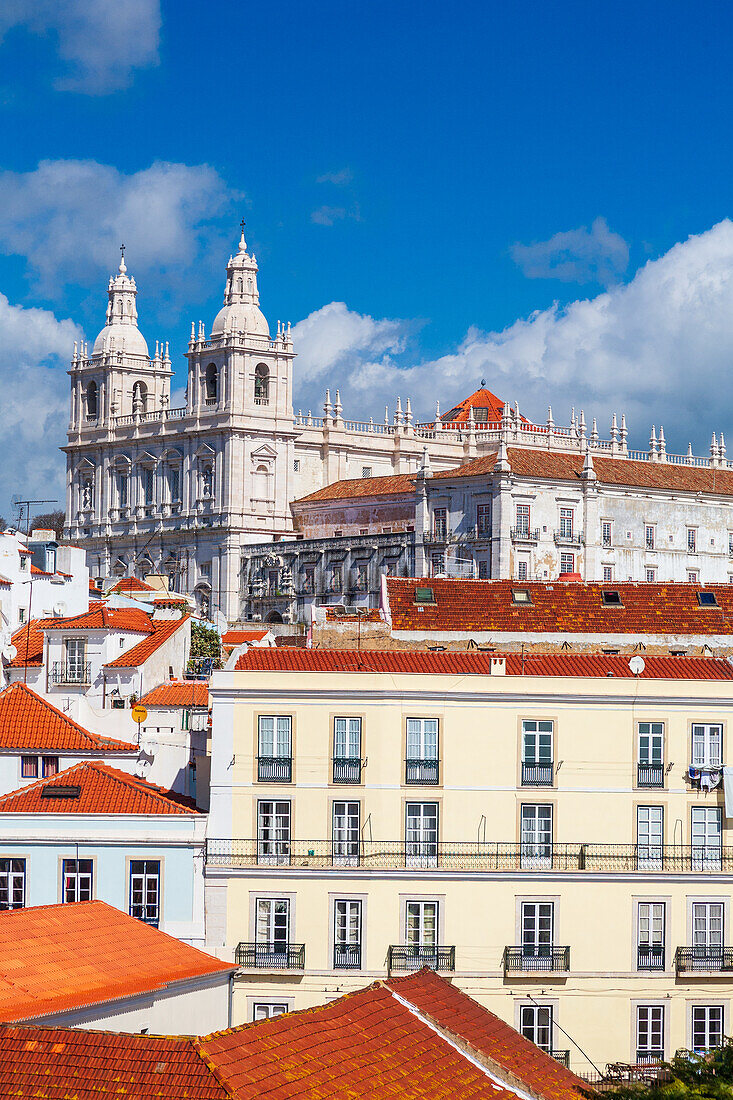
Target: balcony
[537, 775]
[346, 769]
[525, 534]
[347, 956]
[274, 769]
[561, 1056]
[484, 856]
[414, 957]
[536, 958]
[569, 538]
[270, 956]
[421, 772]
[650, 775]
[650, 956]
[71, 674]
[707, 960]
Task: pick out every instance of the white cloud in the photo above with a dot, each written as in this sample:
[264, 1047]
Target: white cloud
[35, 348]
[103, 42]
[329, 215]
[338, 178]
[68, 217]
[659, 347]
[595, 255]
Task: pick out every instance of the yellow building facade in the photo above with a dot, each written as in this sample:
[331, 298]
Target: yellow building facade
[556, 843]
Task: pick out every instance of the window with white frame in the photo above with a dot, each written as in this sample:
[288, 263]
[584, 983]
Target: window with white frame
[649, 1033]
[693, 576]
[275, 736]
[267, 1010]
[273, 831]
[691, 540]
[78, 880]
[650, 772]
[707, 1028]
[537, 764]
[422, 762]
[650, 536]
[535, 1024]
[12, 883]
[607, 574]
[567, 563]
[347, 934]
[76, 660]
[706, 837]
[522, 569]
[707, 935]
[145, 890]
[651, 575]
[440, 522]
[346, 831]
[606, 533]
[707, 745]
[650, 935]
[649, 836]
[483, 519]
[566, 523]
[347, 738]
[272, 926]
[421, 834]
[536, 835]
[538, 923]
[521, 515]
[421, 924]
[437, 565]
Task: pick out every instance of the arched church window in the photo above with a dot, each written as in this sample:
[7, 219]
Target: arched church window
[211, 382]
[139, 397]
[240, 285]
[262, 384]
[122, 495]
[92, 401]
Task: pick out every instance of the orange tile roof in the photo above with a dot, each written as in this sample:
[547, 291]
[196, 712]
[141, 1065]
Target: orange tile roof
[132, 584]
[29, 722]
[28, 640]
[454, 1010]
[178, 693]
[102, 790]
[386, 486]
[53, 1063]
[366, 1044]
[473, 663]
[559, 607]
[481, 399]
[132, 620]
[239, 637]
[163, 629]
[95, 954]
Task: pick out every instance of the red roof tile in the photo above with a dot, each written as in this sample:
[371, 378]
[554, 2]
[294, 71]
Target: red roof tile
[473, 663]
[178, 693]
[559, 607]
[29, 722]
[366, 1044]
[29, 643]
[132, 584]
[132, 620]
[57, 1063]
[454, 1010]
[95, 953]
[481, 399]
[387, 486]
[163, 629]
[102, 790]
[239, 637]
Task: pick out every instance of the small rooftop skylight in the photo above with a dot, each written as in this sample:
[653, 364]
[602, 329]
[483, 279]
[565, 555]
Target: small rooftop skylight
[521, 596]
[52, 790]
[611, 598]
[707, 599]
[424, 595]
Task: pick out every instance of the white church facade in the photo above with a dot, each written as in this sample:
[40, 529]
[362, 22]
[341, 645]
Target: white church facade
[195, 492]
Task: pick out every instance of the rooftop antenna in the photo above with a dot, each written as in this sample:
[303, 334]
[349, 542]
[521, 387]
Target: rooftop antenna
[16, 502]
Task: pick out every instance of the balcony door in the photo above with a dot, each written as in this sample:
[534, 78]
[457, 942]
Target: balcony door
[347, 935]
[346, 832]
[272, 933]
[421, 932]
[421, 834]
[536, 836]
[650, 948]
[273, 832]
[649, 837]
[537, 933]
[707, 935]
[76, 656]
[707, 838]
[535, 1024]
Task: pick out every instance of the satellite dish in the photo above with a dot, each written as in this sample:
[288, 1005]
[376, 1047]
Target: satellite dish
[637, 665]
[221, 624]
[10, 652]
[59, 609]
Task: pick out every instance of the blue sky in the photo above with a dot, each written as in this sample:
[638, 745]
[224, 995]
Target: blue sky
[536, 194]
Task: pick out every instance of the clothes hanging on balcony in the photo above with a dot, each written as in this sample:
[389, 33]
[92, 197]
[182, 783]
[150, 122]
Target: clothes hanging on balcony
[728, 789]
[710, 778]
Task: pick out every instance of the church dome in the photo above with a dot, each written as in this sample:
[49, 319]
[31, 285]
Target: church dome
[126, 338]
[241, 311]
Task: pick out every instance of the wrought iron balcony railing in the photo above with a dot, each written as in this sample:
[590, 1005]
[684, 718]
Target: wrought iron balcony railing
[71, 674]
[347, 956]
[536, 957]
[422, 772]
[347, 769]
[385, 855]
[271, 956]
[650, 956]
[688, 960]
[415, 957]
[274, 769]
[561, 1056]
[650, 775]
[568, 538]
[525, 534]
[537, 775]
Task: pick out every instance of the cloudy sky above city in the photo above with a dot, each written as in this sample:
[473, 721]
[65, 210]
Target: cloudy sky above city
[538, 196]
